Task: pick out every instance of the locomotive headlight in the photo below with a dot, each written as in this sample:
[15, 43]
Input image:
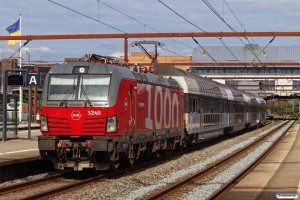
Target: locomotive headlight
[44, 124]
[111, 125]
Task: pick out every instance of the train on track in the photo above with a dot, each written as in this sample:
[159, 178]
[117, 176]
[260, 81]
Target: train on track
[95, 115]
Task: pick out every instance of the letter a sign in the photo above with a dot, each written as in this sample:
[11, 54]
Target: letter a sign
[33, 79]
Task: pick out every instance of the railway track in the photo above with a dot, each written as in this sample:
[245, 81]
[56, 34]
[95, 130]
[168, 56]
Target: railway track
[39, 188]
[55, 185]
[185, 185]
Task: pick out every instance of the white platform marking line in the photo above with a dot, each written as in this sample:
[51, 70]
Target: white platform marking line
[298, 191]
[12, 152]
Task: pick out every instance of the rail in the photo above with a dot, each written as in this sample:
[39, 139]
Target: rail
[171, 189]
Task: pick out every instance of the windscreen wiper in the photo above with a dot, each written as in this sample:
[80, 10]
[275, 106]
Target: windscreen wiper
[84, 93]
[67, 95]
[86, 97]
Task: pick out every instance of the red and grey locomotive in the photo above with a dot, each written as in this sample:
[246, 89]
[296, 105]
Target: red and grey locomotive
[92, 114]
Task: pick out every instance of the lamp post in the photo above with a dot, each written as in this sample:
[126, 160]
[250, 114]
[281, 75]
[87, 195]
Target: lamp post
[257, 121]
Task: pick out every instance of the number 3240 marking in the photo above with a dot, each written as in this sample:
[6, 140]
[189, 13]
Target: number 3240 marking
[91, 112]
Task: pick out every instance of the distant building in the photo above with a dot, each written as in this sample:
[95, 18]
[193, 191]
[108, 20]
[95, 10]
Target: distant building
[263, 80]
[139, 57]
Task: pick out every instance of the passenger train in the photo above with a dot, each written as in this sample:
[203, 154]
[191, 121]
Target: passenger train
[93, 115]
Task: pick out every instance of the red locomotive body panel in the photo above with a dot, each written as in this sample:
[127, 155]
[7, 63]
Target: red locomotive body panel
[75, 121]
[146, 107]
[158, 107]
[140, 107]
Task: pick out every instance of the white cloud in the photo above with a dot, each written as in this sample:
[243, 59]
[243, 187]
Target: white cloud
[117, 54]
[4, 51]
[41, 49]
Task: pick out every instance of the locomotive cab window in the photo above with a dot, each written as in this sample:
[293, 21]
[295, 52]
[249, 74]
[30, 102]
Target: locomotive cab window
[62, 85]
[95, 87]
[79, 87]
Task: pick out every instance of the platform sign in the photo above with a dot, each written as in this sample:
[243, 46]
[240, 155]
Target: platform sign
[33, 79]
[15, 79]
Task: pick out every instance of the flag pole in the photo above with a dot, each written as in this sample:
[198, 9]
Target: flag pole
[20, 62]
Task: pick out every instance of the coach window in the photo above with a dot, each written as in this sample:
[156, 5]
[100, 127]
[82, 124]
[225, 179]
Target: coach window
[195, 104]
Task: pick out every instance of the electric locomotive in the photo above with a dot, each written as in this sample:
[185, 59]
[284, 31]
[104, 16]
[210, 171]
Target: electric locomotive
[94, 114]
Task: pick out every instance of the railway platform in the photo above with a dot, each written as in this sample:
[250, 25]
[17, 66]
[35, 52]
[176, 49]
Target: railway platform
[277, 176]
[18, 148]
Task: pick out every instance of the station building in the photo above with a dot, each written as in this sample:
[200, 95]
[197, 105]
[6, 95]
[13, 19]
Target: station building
[261, 79]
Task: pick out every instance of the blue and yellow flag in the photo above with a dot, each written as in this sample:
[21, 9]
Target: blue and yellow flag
[14, 30]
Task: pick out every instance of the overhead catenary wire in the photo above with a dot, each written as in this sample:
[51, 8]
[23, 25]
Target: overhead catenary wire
[97, 20]
[262, 49]
[223, 20]
[200, 29]
[232, 12]
[145, 25]
[203, 49]
[231, 28]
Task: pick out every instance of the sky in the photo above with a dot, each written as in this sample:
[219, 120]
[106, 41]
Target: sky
[43, 17]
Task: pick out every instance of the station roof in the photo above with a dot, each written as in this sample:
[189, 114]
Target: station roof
[245, 53]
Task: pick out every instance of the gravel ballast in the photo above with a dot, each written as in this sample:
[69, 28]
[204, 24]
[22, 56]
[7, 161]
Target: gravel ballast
[135, 185]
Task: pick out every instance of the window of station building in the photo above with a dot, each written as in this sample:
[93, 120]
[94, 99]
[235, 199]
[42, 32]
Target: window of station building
[227, 82]
[245, 70]
[242, 70]
[263, 70]
[208, 70]
[290, 71]
[283, 70]
[267, 84]
[272, 70]
[213, 70]
[200, 70]
[228, 70]
[296, 84]
[195, 70]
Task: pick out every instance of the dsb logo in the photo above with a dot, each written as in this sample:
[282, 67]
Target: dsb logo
[76, 115]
